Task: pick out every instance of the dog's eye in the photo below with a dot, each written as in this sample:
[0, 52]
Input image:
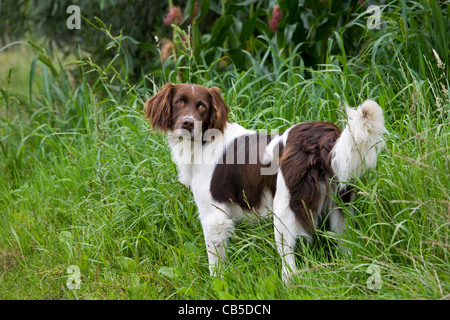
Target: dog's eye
[201, 107]
[180, 101]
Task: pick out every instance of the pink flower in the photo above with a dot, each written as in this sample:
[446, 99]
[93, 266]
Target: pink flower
[277, 15]
[174, 16]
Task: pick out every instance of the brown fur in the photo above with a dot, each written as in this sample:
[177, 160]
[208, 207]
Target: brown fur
[164, 111]
[219, 113]
[305, 163]
[159, 109]
[242, 183]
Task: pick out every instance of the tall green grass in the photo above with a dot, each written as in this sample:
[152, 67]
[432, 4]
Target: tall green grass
[86, 182]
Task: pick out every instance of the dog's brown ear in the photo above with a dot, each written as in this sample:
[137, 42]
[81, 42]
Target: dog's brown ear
[219, 113]
[158, 108]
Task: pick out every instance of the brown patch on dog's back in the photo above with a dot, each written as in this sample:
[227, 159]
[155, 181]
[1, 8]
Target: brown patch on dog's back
[305, 164]
[241, 181]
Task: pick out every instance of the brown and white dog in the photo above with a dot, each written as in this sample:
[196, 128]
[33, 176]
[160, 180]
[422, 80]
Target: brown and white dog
[235, 173]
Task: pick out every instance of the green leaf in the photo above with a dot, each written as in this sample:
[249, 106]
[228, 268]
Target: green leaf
[196, 39]
[188, 10]
[290, 9]
[245, 3]
[65, 236]
[220, 31]
[167, 272]
[32, 72]
[248, 28]
[204, 8]
[219, 285]
[186, 291]
[225, 296]
[289, 30]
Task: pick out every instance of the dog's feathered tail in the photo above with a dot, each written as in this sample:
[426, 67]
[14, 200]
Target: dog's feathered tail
[360, 142]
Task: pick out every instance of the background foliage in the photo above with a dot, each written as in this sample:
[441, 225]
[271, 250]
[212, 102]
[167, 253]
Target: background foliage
[85, 182]
[218, 28]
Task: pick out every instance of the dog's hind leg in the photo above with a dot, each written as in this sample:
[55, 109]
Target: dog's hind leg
[337, 220]
[338, 225]
[286, 234]
[287, 229]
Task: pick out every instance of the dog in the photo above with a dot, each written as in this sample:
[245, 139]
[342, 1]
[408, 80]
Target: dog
[235, 173]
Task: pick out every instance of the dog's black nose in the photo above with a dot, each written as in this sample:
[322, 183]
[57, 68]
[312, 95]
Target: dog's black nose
[188, 124]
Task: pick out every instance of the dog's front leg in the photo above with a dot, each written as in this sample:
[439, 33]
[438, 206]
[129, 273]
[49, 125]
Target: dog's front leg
[217, 227]
[216, 256]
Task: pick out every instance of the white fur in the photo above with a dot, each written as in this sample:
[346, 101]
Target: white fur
[360, 142]
[270, 153]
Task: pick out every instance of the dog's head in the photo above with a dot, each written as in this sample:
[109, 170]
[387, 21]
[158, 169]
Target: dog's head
[181, 108]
